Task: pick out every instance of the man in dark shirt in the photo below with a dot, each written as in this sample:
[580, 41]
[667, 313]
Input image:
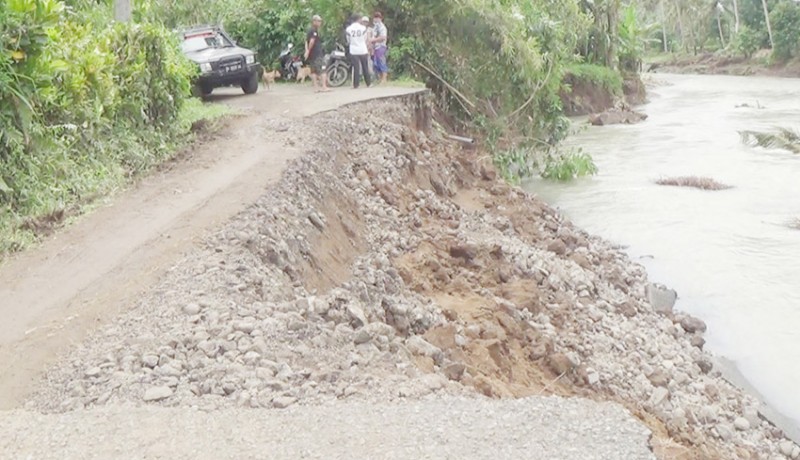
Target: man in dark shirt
[315, 55]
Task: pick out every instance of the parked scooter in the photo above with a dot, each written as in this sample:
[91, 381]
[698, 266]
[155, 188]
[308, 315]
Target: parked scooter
[289, 63]
[339, 67]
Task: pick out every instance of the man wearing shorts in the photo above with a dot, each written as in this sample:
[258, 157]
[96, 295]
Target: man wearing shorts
[379, 41]
[315, 56]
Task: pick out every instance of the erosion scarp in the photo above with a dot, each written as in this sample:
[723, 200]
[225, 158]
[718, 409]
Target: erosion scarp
[389, 263]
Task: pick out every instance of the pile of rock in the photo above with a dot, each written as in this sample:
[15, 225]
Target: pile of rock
[391, 265]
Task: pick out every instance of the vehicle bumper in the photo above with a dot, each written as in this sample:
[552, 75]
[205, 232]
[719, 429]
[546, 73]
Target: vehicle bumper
[217, 78]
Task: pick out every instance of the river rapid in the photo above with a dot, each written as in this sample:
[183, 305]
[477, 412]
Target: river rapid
[729, 254]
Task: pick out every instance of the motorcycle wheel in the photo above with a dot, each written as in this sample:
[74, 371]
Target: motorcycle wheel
[338, 74]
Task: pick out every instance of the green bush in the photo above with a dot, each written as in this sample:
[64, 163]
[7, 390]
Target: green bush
[747, 41]
[785, 19]
[82, 107]
[568, 166]
[524, 161]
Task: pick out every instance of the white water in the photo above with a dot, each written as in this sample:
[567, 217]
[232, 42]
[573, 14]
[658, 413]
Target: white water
[729, 254]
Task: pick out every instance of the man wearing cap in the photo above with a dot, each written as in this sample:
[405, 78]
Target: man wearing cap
[315, 56]
[359, 53]
[379, 42]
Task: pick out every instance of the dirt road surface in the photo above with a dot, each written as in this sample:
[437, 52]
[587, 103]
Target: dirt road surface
[440, 428]
[52, 296]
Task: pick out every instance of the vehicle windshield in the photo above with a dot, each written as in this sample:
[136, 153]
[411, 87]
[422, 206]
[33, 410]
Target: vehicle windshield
[205, 41]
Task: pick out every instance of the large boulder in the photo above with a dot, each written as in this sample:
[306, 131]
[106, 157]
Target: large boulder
[616, 117]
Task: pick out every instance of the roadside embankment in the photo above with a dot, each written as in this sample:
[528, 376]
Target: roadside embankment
[390, 264]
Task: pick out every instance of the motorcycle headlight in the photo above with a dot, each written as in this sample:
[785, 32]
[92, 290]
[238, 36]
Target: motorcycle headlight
[205, 67]
[250, 59]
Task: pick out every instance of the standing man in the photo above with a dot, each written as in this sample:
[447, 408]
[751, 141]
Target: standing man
[370, 45]
[315, 56]
[359, 53]
[380, 42]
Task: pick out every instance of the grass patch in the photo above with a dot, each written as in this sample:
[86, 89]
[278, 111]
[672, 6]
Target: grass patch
[124, 157]
[406, 82]
[703, 183]
[600, 76]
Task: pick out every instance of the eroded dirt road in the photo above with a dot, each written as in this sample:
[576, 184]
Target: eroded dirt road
[52, 296]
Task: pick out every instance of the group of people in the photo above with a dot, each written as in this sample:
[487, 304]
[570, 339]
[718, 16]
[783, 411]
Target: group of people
[367, 48]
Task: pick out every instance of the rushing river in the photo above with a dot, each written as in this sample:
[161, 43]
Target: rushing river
[729, 254]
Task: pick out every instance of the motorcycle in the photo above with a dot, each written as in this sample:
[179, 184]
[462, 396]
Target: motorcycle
[289, 63]
[338, 67]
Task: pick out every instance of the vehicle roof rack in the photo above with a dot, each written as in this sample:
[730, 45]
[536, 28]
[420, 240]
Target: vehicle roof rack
[198, 28]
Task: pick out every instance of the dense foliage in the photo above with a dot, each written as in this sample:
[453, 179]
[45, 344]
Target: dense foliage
[82, 106]
[496, 66]
[738, 26]
[85, 103]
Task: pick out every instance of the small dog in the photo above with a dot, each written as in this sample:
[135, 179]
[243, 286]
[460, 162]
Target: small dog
[303, 73]
[269, 76]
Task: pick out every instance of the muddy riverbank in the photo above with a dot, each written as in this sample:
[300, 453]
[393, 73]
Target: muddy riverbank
[390, 264]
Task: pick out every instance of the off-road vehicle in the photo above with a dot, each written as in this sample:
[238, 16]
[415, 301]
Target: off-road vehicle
[221, 61]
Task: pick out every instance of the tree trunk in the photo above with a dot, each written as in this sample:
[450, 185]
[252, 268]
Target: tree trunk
[663, 25]
[681, 30]
[612, 15]
[719, 27]
[769, 26]
[735, 16]
[122, 10]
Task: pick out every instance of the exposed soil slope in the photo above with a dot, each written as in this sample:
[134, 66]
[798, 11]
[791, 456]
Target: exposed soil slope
[388, 263]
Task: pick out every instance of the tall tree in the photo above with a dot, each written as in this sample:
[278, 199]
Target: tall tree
[769, 26]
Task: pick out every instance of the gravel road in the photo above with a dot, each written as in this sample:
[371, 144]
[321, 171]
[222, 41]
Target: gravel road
[437, 427]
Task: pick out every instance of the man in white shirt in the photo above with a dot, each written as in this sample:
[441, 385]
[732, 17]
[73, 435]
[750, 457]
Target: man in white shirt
[359, 53]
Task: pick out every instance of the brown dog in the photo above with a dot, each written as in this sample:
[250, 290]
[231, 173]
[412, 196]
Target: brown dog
[269, 76]
[303, 73]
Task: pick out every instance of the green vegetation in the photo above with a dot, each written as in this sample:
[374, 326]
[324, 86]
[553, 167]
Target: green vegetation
[597, 75]
[729, 27]
[84, 105]
[497, 68]
[783, 139]
[747, 41]
[785, 18]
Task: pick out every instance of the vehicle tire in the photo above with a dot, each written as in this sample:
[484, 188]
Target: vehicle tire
[338, 74]
[201, 91]
[250, 86]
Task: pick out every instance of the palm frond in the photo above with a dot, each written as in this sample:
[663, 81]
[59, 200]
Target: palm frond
[783, 138]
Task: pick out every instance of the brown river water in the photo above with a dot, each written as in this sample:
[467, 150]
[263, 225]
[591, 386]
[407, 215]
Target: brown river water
[729, 254]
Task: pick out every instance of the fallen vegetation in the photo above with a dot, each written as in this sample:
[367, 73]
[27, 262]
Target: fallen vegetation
[782, 138]
[703, 183]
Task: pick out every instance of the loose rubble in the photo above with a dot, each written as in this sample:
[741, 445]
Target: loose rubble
[392, 263]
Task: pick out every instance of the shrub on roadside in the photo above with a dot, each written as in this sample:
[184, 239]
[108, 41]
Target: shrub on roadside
[82, 107]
